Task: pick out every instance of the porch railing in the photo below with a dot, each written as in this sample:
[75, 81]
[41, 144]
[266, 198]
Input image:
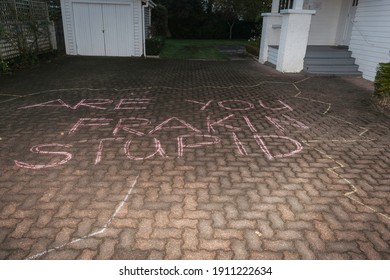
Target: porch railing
[285, 4]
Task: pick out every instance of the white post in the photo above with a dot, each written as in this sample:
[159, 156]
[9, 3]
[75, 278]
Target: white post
[293, 40]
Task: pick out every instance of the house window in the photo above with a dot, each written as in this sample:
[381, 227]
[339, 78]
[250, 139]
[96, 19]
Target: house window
[355, 3]
[286, 4]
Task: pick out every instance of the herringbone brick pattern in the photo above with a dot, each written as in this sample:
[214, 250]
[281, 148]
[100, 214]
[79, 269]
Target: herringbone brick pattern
[106, 158]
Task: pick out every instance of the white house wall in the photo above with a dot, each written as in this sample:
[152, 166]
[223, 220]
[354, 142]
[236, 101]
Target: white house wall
[324, 24]
[370, 41]
[69, 30]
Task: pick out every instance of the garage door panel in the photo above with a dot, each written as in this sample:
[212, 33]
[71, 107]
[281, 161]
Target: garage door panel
[117, 30]
[96, 27]
[83, 33]
[88, 23]
[110, 29]
[125, 41]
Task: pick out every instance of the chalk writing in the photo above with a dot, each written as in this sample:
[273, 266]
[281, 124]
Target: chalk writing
[205, 105]
[249, 124]
[240, 146]
[263, 146]
[128, 127]
[82, 122]
[37, 149]
[138, 129]
[134, 101]
[211, 124]
[122, 104]
[285, 106]
[158, 149]
[181, 145]
[247, 105]
[163, 125]
[240, 105]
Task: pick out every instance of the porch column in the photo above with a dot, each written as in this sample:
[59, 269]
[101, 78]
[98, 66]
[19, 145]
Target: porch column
[270, 33]
[293, 39]
[275, 6]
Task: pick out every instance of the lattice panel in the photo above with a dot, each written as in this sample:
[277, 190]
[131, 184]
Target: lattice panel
[16, 17]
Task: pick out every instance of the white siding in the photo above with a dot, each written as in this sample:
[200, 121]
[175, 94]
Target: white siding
[69, 30]
[324, 24]
[370, 41]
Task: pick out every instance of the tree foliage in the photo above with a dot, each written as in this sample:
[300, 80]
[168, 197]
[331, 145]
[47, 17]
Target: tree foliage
[159, 26]
[235, 10]
[214, 18]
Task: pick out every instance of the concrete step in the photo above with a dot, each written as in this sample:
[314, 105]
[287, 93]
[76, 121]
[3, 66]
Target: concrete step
[335, 73]
[328, 54]
[330, 61]
[332, 68]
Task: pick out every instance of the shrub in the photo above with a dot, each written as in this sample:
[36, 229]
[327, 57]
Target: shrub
[382, 83]
[252, 50]
[154, 45]
[4, 68]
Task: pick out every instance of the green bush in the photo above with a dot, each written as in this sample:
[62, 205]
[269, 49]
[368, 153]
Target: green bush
[382, 83]
[154, 45]
[4, 68]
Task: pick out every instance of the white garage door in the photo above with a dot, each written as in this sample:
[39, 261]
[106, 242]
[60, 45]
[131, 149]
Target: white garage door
[103, 29]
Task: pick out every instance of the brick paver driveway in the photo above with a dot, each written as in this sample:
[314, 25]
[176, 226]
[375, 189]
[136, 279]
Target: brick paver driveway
[150, 159]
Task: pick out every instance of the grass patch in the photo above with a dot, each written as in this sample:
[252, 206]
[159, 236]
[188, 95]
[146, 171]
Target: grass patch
[197, 49]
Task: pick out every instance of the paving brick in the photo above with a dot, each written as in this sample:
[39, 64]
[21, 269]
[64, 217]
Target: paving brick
[315, 241]
[304, 250]
[199, 255]
[228, 234]
[224, 255]
[266, 256]
[87, 254]
[173, 249]
[377, 241]
[183, 223]
[127, 238]
[265, 229]
[239, 249]
[205, 229]
[106, 249]
[22, 228]
[242, 224]
[214, 244]
[325, 232]
[276, 221]
[288, 234]
[149, 244]
[278, 245]
[190, 238]
[369, 250]
[145, 228]
[164, 233]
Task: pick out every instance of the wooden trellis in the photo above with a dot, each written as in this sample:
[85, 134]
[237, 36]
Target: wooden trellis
[25, 28]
